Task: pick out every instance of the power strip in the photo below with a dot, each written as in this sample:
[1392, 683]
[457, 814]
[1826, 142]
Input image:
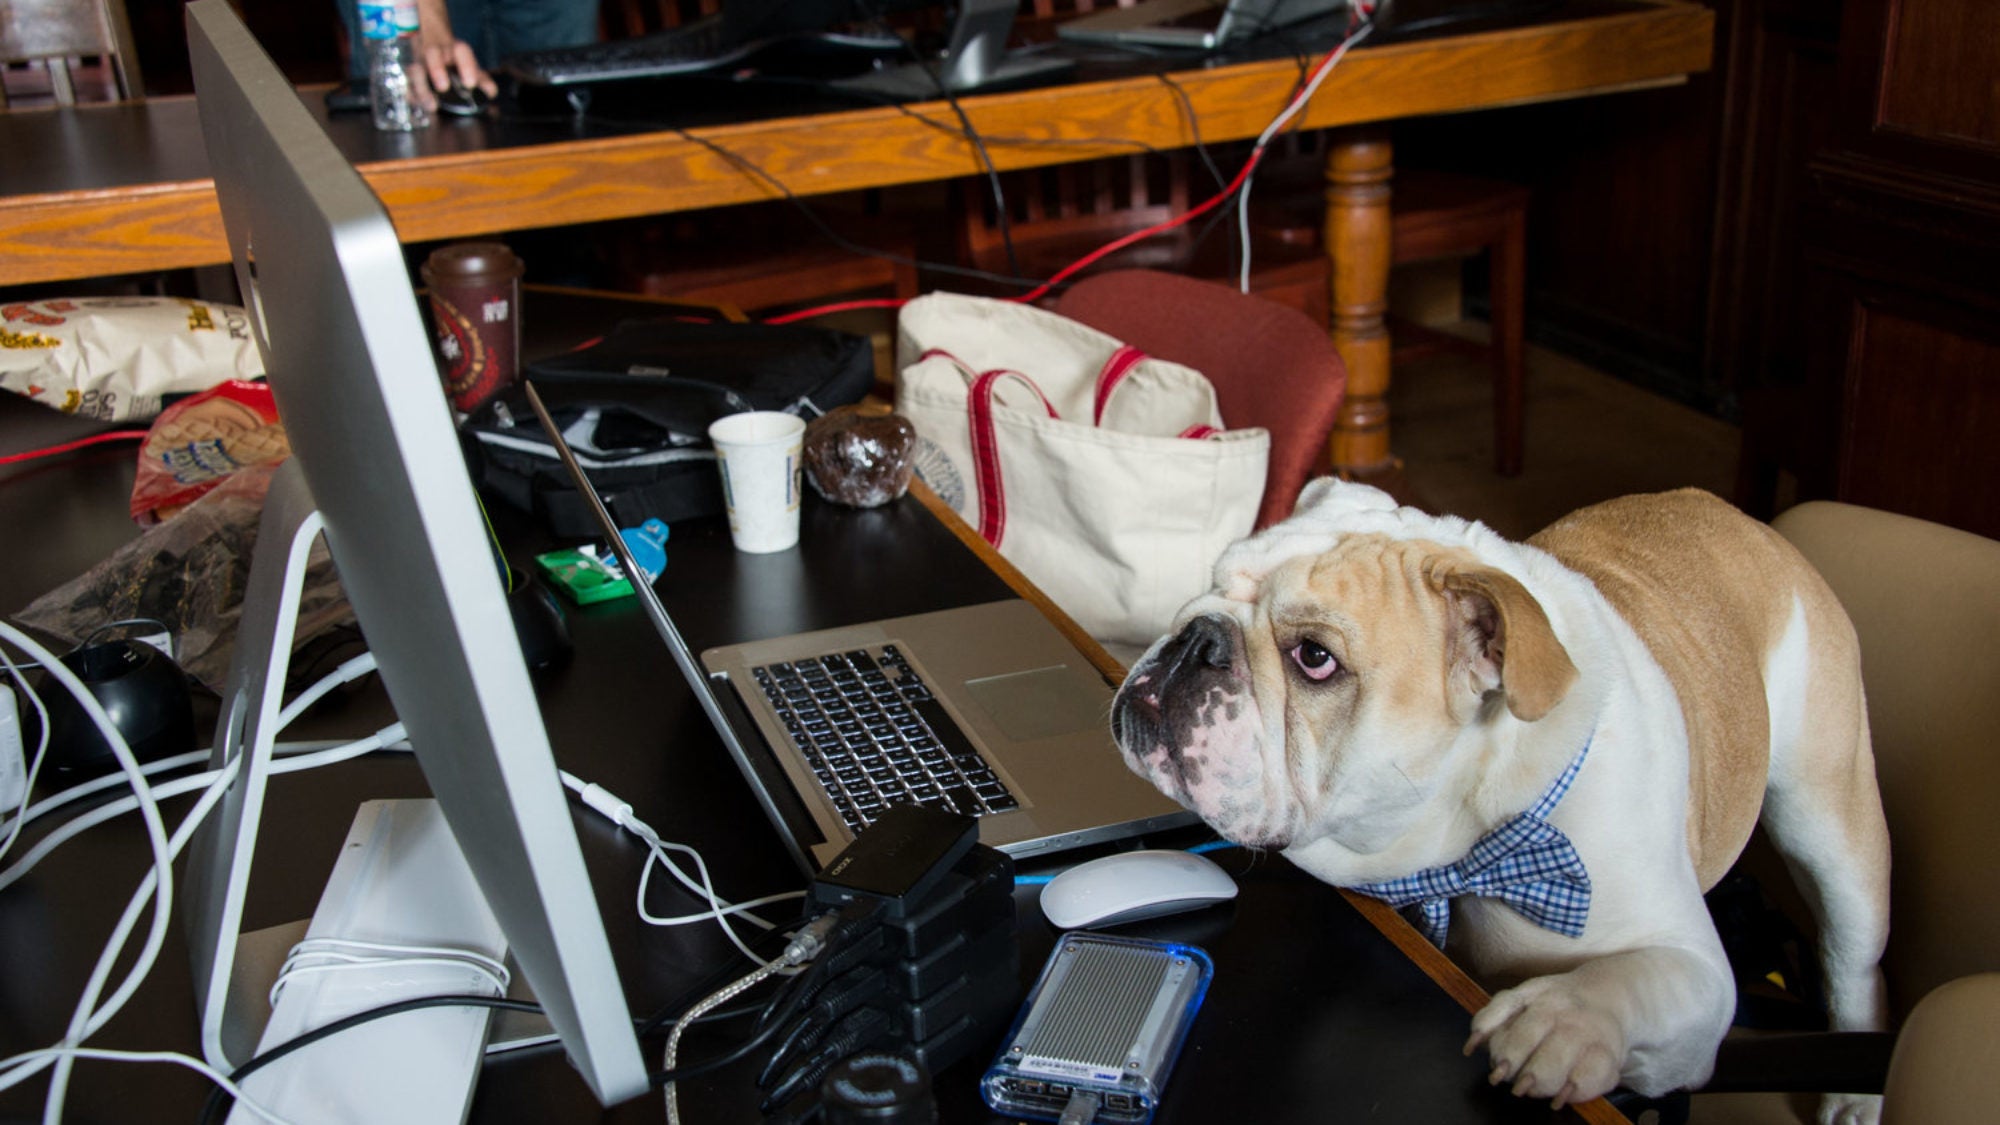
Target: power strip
[400, 880]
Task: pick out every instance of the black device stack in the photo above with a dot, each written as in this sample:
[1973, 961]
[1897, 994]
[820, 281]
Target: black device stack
[937, 977]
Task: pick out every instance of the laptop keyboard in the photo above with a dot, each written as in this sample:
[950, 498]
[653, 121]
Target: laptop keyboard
[875, 736]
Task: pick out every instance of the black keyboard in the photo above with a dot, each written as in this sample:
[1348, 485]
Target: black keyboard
[875, 736]
[699, 47]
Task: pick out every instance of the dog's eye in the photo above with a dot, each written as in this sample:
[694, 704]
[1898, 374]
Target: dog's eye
[1313, 660]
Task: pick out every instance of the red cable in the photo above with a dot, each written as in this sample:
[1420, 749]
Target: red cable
[65, 447]
[1112, 247]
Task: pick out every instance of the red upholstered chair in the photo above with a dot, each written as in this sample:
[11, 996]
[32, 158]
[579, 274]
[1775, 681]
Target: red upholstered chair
[1272, 365]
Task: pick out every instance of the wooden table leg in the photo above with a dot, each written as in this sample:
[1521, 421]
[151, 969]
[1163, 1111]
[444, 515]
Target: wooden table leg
[1357, 240]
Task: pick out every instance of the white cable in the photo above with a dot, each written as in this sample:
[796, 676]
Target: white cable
[1271, 130]
[159, 766]
[308, 962]
[188, 1061]
[35, 764]
[59, 1081]
[619, 812]
[742, 908]
[162, 875]
[22, 1067]
[348, 672]
[388, 737]
[352, 669]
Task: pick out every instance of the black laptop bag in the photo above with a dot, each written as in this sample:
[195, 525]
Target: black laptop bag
[635, 407]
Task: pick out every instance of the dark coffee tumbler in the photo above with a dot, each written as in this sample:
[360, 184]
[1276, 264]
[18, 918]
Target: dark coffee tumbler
[475, 292]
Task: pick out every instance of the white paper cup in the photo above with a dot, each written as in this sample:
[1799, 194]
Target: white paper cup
[758, 453]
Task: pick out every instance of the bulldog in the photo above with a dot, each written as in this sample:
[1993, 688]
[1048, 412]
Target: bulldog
[1546, 751]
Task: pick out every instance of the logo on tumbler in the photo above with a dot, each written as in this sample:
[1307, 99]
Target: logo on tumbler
[469, 377]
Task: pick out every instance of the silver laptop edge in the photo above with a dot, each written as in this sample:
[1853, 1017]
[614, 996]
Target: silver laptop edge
[676, 644]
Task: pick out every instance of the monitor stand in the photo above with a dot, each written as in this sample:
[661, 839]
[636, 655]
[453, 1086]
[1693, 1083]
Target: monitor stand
[975, 58]
[218, 870]
[233, 971]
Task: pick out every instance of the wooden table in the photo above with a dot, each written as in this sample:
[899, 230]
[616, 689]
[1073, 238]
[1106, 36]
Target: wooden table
[122, 189]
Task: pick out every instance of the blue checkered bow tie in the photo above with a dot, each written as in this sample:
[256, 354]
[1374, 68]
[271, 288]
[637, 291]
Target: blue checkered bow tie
[1526, 863]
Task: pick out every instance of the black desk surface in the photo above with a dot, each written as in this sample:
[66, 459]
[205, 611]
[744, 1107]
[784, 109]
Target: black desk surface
[1313, 1016]
[105, 147]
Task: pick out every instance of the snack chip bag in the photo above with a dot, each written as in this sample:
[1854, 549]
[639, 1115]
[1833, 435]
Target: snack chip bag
[199, 441]
[114, 358]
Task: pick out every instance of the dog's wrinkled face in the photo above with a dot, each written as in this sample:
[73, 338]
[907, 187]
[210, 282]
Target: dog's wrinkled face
[1325, 692]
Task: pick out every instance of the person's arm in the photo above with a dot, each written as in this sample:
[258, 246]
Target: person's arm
[444, 52]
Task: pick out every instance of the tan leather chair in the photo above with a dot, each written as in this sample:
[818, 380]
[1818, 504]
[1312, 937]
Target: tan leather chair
[1925, 601]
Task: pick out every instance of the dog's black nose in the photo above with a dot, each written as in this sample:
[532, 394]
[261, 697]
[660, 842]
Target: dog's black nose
[1206, 640]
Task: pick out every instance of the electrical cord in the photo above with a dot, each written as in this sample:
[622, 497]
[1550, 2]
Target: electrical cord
[351, 670]
[156, 887]
[387, 737]
[1081, 1108]
[22, 815]
[221, 1080]
[1298, 103]
[87, 1016]
[68, 446]
[313, 955]
[308, 956]
[219, 1097]
[930, 70]
[857, 1032]
[806, 945]
[619, 812]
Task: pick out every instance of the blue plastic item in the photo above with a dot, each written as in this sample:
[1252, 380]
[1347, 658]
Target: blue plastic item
[648, 542]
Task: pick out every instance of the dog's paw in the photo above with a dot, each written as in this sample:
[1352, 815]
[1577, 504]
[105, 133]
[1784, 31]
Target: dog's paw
[1549, 1044]
[1850, 1109]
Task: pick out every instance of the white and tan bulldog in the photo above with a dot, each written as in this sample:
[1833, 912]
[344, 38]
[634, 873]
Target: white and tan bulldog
[1383, 694]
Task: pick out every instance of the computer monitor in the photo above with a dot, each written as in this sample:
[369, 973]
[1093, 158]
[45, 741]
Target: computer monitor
[350, 365]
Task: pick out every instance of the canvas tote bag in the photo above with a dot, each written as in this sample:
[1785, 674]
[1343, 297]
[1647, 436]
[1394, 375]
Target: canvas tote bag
[1104, 474]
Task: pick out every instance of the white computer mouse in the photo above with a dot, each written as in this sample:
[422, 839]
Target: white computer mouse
[1129, 886]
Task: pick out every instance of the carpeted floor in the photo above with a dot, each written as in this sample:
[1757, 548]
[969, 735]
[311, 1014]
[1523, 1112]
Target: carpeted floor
[1589, 437]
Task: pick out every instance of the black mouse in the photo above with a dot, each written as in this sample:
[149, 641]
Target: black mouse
[460, 100]
[539, 623]
[141, 689]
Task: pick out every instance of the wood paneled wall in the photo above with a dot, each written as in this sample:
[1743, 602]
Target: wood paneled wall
[1807, 239]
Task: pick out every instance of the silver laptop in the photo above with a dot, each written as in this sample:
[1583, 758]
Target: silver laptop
[1191, 23]
[986, 709]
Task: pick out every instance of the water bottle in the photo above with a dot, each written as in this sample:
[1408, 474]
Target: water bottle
[389, 32]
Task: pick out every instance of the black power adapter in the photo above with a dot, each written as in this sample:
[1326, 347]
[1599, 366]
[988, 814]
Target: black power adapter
[896, 860]
[938, 977]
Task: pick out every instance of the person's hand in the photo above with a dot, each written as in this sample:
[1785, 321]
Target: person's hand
[442, 55]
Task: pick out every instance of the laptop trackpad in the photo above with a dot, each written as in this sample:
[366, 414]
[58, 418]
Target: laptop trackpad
[1043, 703]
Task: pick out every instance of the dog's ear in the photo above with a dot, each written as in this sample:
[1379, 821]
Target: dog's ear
[1504, 640]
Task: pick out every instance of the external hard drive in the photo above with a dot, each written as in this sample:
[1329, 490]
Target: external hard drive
[1100, 1032]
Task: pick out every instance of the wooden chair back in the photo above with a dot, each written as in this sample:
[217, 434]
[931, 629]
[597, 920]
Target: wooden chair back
[51, 35]
[1050, 9]
[1074, 204]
